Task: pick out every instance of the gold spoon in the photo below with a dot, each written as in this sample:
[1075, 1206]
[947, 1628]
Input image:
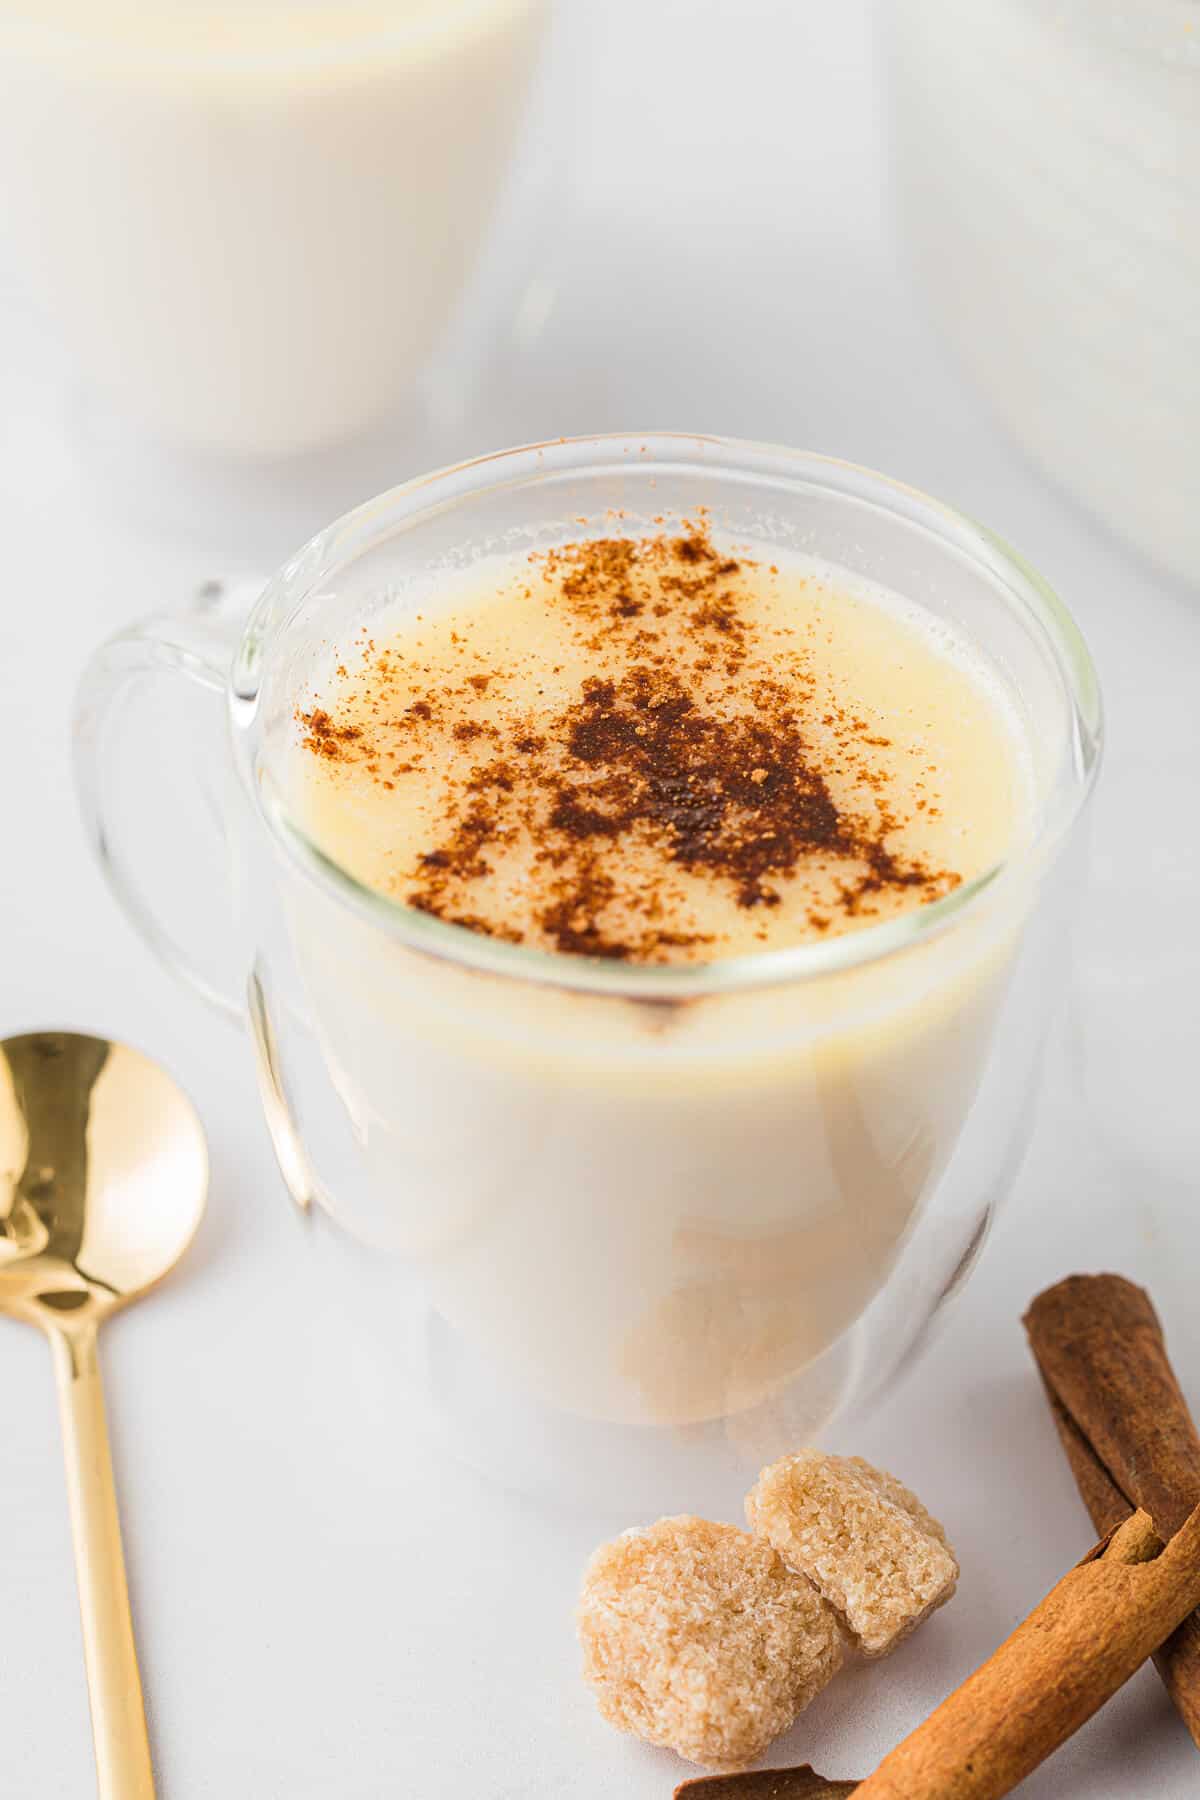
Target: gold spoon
[103, 1175]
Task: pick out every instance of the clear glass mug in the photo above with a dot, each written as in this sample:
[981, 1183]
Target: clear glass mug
[616, 1231]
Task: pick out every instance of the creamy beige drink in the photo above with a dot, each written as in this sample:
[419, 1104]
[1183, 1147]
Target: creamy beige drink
[659, 751]
[662, 749]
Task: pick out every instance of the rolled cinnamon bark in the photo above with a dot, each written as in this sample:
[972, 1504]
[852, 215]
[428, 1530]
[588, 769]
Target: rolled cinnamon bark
[1072, 1653]
[1135, 1453]
[1125, 1428]
[1085, 1640]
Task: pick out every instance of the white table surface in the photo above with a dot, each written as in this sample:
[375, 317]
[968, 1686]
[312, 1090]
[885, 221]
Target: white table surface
[324, 1608]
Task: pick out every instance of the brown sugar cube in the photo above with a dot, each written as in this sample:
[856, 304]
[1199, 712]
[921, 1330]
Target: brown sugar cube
[696, 1636]
[863, 1539]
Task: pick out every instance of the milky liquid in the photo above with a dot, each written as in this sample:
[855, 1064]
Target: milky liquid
[661, 752]
[239, 26]
[650, 1213]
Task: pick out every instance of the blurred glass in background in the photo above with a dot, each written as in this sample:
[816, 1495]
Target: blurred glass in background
[269, 227]
[1049, 164]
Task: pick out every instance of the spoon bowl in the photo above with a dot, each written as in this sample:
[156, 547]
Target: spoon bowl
[103, 1177]
[103, 1173]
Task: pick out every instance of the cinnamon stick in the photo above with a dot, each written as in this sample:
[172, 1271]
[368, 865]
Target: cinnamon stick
[1099, 1345]
[766, 1784]
[1125, 1427]
[1083, 1642]
[1106, 1505]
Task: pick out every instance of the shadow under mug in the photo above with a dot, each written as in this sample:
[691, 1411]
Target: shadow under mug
[617, 1232]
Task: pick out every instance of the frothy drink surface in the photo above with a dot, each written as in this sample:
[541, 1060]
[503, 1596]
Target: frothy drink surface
[659, 749]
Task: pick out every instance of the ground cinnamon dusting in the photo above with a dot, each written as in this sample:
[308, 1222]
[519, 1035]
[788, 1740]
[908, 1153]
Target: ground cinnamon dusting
[702, 756]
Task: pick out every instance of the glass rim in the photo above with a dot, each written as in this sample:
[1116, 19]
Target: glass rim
[404, 506]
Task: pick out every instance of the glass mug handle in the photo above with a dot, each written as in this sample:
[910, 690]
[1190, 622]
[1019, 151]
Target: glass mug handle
[193, 649]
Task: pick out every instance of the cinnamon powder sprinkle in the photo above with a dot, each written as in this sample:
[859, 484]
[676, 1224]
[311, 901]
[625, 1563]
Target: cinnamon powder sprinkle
[658, 751]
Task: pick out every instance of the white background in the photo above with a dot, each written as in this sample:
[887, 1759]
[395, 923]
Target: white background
[324, 1609]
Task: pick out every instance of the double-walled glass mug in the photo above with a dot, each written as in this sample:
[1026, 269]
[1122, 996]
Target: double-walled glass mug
[614, 1228]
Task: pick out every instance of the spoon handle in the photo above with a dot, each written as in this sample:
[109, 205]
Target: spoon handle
[114, 1686]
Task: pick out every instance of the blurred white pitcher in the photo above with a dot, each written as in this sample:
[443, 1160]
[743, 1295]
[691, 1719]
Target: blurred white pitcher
[252, 219]
[1049, 168]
